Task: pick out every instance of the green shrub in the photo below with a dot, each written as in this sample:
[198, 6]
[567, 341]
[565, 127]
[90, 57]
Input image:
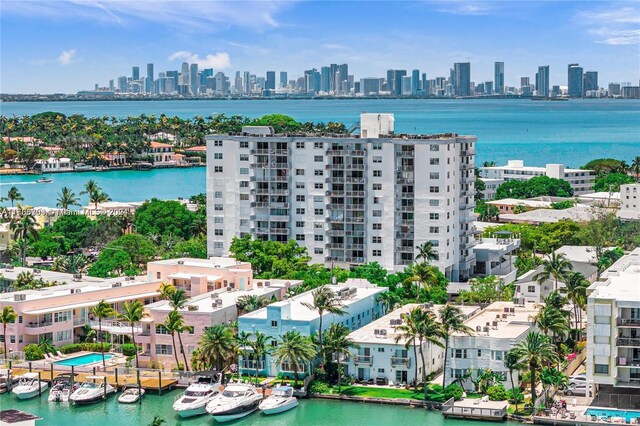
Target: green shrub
[318, 386]
[453, 390]
[435, 393]
[515, 395]
[73, 347]
[33, 352]
[497, 393]
[129, 349]
[91, 347]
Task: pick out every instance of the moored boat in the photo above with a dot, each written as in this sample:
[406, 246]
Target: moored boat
[194, 400]
[235, 401]
[29, 386]
[7, 381]
[95, 389]
[61, 388]
[131, 395]
[280, 400]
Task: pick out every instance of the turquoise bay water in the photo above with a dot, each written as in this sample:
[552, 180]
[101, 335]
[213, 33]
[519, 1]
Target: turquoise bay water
[313, 412]
[538, 132]
[83, 360]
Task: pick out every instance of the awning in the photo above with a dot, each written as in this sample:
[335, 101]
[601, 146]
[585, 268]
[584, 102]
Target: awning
[181, 276]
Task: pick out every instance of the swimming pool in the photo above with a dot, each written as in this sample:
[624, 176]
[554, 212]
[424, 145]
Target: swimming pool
[599, 412]
[83, 359]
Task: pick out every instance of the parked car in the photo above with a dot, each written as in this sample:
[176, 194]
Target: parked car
[578, 378]
[578, 388]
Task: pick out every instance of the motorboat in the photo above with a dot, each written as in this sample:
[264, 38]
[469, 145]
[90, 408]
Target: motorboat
[131, 395]
[44, 180]
[235, 401]
[195, 398]
[142, 165]
[61, 388]
[29, 386]
[82, 167]
[4, 380]
[95, 389]
[280, 400]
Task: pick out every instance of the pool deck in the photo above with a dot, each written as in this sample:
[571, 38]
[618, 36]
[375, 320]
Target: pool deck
[579, 419]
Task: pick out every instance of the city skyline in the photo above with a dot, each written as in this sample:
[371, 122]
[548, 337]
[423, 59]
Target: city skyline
[80, 43]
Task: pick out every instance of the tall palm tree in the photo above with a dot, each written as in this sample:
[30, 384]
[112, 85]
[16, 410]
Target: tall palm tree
[14, 195]
[67, 198]
[259, 346]
[535, 351]
[555, 267]
[295, 350]
[337, 342]
[576, 289]
[242, 343]
[424, 274]
[389, 300]
[7, 316]
[23, 228]
[199, 226]
[426, 252]
[133, 312]
[174, 323]
[165, 290]
[251, 303]
[216, 344]
[552, 320]
[177, 298]
[324, 300]
[101, 311]
[95, 193]
[512, 364]
[635, 167]
[452, 320]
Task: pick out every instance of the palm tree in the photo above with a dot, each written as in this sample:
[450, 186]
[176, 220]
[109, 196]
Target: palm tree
[7, 316]
[165, 290]
[177, 298]
[552, 320]
[74, 264]
[215, 345]
[174, 323]
[389, 300]
[259, 346]
[635, 166]
[511, 363]
[424, 274]
[14, 195]
[101, 311]
[199, 226]
[535, 351]
[242, 343]
[576, 287]
[95, 193]
[67, 198]
[426, 252]
[251, 303]
[23, 228]
[295, 350]
[133, 312]
[556, 267]
[337, 342]
[325, 300]
[452, 320]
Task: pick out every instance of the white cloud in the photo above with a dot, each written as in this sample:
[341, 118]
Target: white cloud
[464, 7]
[332, 46]
[622, 38]
[615, 27]
[216, 60]
[67, 56]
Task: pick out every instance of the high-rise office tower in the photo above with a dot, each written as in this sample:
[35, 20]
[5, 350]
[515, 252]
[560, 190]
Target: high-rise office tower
[246, 83]
[184, 74]
[590, 81]
[370, 86]
[174, 75]
[344, 75]
[111, 85]
[614, 89]
[397, 81]
[333, 69]
[325, 79]
[283, 79]
[498, 79]
[488, 88]
[135, 73]
[575, 81]
[150, 78]
[123, 84]
[525, 86]
[424, 84]
[462, 80]
[390, 85]
[270, 81]
[542, 81]
[194, 83]
[238, 83]
[415, 82]
[407, 86]
[222, 84]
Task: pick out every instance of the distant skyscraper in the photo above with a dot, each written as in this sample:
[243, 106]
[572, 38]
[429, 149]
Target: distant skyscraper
[246, 83]
[498, 80]
[222, 84]
[150, 78]
[344, 75]
[325, 79]
[415, 81]
[184, 74]
[574, 81]
[370, 86]
[542, 81]
[407, 86]
[525, 86]
[111, 85]
[270, 82]
[397, 81]
[174, 75]
[590, 81]
[238, 83]
[333, 69]
[488, 88]
[390, 85]
[123, 84]
[614, 89]
[194, 83]
[462, 81]
[135, 73]
[283, 79]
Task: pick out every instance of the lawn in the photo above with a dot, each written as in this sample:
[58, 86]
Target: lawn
[373, 392]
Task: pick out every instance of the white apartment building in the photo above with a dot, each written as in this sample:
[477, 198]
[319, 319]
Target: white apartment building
[580, 180]
[381, 358]
[629, 202]
[613, 325]
[495, 330]
[350, 199]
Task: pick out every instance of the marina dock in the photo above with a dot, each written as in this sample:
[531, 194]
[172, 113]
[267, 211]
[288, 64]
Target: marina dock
[475, 409]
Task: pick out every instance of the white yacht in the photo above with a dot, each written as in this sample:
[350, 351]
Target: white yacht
[95, 389]
[235, 401]
[131, 395]
[61, 388]
[4, 380]
[280, 400]
[195, 398]
[29, 386]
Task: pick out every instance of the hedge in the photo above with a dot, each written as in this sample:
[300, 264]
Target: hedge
[91, 347]
[129, 349]
[33, 352]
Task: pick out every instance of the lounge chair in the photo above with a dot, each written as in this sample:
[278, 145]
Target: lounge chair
[572, 415]
[48, 357]
[60, 355]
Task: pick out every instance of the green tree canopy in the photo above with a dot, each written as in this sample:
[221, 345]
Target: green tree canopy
[611, 182]
[603, 166]
[126, 255]
[534, 187]
[163, 217]
[270, 259]
[74, 228]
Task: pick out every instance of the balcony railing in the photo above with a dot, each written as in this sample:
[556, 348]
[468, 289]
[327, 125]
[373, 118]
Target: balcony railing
[363, 359]
[625, 341]
[628, 362]
[629, 322]
[39, 324]
[400, 361]
[80, 321]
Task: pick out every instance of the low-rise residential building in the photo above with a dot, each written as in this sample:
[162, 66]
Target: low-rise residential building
[531, 290]
[494, 330]
[581, 181]
[512, 205]
[385, 359]
[361, 305]
[54, 164]
[613, 326]
[6, 236]
[629, 202]
[578, 213]
[161, 153]
[494, 256]
[490, 187]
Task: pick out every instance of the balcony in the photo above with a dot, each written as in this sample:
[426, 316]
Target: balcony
[80, 321]
[404, 249]
[335, 152]
[628, 362]
[405, 154]
[116, 327]
[338, 166]
[279, 231]
[397, 361]
[38, 324]
[355, 167]
[626, 341]
[363, 359]
[628, 322]
[357, 194]
[356, 260]
[631, 382]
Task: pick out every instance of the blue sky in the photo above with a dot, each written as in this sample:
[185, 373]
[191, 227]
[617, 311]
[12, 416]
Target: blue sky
[64, 46]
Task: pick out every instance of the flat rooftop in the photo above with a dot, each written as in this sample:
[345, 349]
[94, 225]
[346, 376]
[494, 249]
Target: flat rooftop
[621, 282]
[367, 334]
[534, 168]
[521, 202]
[515, 324]
[212, 262]
[580, 253]
[11, 274]
[578, 213]
[300, 312]
[346, 136]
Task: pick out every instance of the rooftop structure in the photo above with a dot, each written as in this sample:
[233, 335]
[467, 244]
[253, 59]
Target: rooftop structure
[584, 254]
[579, 213]
[528, 288]
[630, 202]
[494, 256]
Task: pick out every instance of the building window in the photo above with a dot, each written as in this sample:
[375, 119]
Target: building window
[318, 185]
[299, 224]
[318, 251]
[218, 169]
[244, 184]
[318, 237]
[479, 353]
[376, 200]
[318, 225]
[219, 232]
[244, 197]
[243, 222]
[164, 350]
[300, 145]
[497, 355]
[300, 237]
[318, 145]
[244, 144]
[318, 158]
[161, 329]
[434, 189]
[218, 245]
[380, 349]
[318, 172]
[377, 187]
[434, 203]
[217, 194]
[274, 324]
[434, 216]
[300, 210]
[434, 147]
[376, 240]
[601, 368]
[380, 370]
[531, 289]
[300, 198]
[434, 161]
[218, 219]
[434, 175]
[244, 171]
[318, 198]
[459, 353]
[299, 172]
[377, 213]
[434, 229]
[377, 173]
[299, 185]
[244, 157]
[377, 227]
[376, 253]
[158, 275]
[217, 143]
[318, 212]
[217, 156]
[377, 159]
[376, 145]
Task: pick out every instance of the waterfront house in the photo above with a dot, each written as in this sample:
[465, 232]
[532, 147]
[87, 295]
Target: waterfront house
[160, 153]
[360, 304]
[54, 165]
[494, 330]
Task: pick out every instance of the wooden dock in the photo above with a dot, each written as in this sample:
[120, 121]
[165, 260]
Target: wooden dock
[475, 409]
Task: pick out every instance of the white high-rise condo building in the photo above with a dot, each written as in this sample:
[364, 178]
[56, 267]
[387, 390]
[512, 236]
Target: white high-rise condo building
[350, 199]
